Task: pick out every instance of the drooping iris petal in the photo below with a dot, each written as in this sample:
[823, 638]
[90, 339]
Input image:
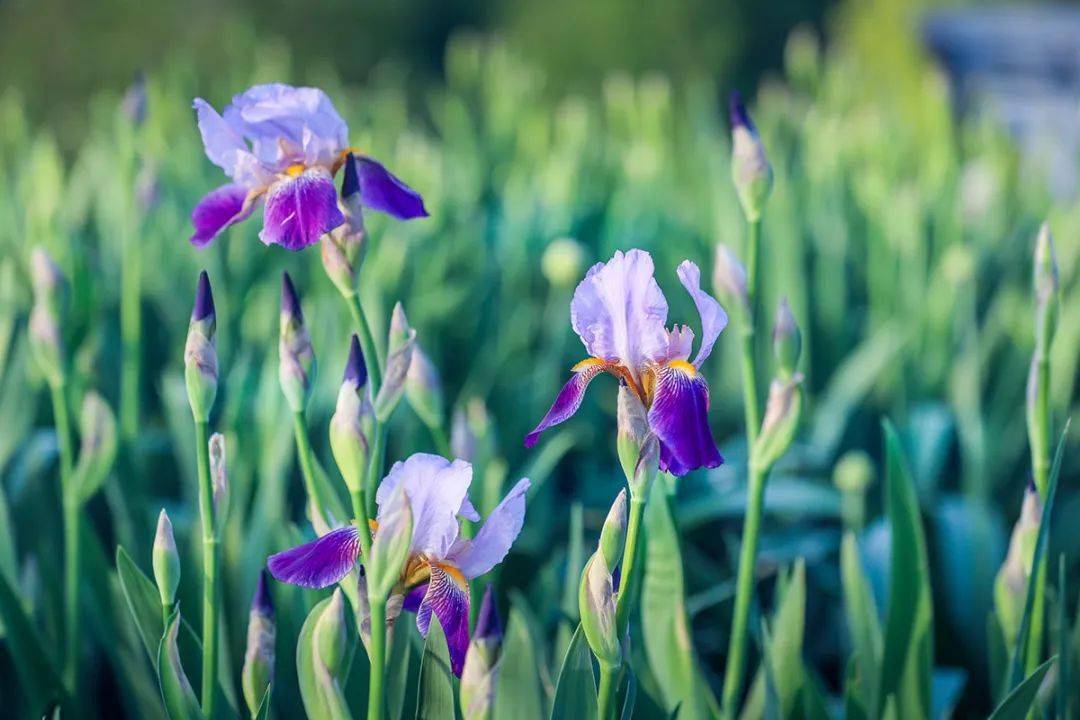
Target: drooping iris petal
[495, 537]
[218, 210]
[436, 489]
[713, 317]
[619, 311]
[679, 417]
[569, 398]
[300, 209]
[319, 563]
[381, 190]
[450, 603]
[414, 597]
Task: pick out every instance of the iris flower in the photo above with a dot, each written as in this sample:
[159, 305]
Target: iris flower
[620, 314]
[441, 563]
[282, 146]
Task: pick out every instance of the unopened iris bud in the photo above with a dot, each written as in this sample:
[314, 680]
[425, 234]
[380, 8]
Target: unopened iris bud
[1010, 585]
[344, 247]
[632, 427]
[47, 315]
[750, 168]
[596, 604]
[97, 450]
[561, 262]
[729, 277]
[348, 439]
[480, 672]
[852, 476]
[787, 340]
[147, 188]
[1046, 283]
[400, 348]
[166, 561]
[613, 531]
[783, 410]
[296, 359]
[135, 101]
[646, 469]
[219, 480]
[470, 431]
[423, 388]
[200, 352]
[258, 671]
[331, 640]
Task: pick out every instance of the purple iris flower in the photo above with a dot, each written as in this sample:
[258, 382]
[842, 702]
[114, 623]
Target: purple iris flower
[441, 562]
[620, 314]
[282, 146]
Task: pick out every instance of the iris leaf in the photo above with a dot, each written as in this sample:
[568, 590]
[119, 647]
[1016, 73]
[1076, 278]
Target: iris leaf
[143, 601]
[435, 695]
[1018, 702]
[176, 691]
[575, 689]
[517, 692]
[36, 672]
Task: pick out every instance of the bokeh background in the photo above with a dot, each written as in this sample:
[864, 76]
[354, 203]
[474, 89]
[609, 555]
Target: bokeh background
[916, 152]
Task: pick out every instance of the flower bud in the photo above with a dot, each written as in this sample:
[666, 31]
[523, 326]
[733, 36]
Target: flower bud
[348, 440]
[331, 639]
[400, 348]
[1010, 585]
[852, 476]
[166, 561]
[296, 366]
[258, 671]
[632, 426]
[200, 352]
[47, 315]
[1045, 281]
[646, 469]
[390, 546]
[135, 101]
[147, 188]
[596, 604]
[480, 672]
[613, 531]
[729, 277]
[219, 480]
[783, 410]
[787, 340]
[470, 432]
[750, 168]
[561, 262]
[343, 248]
[423, 388]
[97, 451]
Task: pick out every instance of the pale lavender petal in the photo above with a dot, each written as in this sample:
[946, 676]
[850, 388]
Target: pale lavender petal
[223, 145]
[288, 124]
[495, 537]
[679, 416]
[381, 190]
[218, 210]
[619, 311]
[568, 400]
[436, 489]
[450, 603]
[319, 563]
[299, 210]
[680, 343]
[713, 317]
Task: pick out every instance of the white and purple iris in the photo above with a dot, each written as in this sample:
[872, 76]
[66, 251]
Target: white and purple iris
[620, 314]
[282, 146]
[441, 562]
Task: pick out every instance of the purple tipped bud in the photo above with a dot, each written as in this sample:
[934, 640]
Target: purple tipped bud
[787, 340]
[204, 299]
[355, 368]
[262, 602]
[737, 112]
[350, 183]
[488, 624]
[134, 102]
[750, 168]
[257, 674]
[290, 301]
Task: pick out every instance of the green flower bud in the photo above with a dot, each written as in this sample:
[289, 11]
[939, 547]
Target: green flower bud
[296, 367]
[330, 637]
[613, 533]
[481, 669]
[47, 315]
[632, 427]
[1010, 585]
[852, 476]
[390, 546]
[750, 168]
[729, 278]
[562, 261]
[787, 340]
[1046, 283]
[402, 339]
[596, 604]
[348, 439]
[647, 468]
[219, 481]
[257, 674]
[343, 248]
[200, 353]
[423, 388]
[97, 451]
[783, 410]
[166, 561]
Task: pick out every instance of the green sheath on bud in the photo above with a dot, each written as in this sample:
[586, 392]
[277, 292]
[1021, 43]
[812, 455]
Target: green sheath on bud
[47, 315]
[97, 450]
[166, 561]
[1010, 585]
[783, 411]
[632, 425]
[219, 479]
[647, 468]
[400, 345]
[423, 388]
[613, 532]
[750, 168]
[729, 278]
[596, 604]
[200, 352]
[343, 248]
[348, 437]
[296, 358]
[257, 674]
[390, 547]
[787, 340]
[330, 637]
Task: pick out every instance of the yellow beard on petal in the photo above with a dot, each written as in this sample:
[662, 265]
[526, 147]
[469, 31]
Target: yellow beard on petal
[684, 366]
[295, 170]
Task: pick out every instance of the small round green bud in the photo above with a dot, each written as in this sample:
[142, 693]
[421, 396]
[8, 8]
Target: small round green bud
[330, 639]
[166, 561]
[787, 340]
[613, 531]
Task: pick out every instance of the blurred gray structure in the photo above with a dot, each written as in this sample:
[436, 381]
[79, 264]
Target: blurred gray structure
[1021, 64]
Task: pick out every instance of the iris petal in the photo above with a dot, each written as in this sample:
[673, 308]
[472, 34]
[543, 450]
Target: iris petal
[679, 417]
[300, 209]
[497, 534]
[713, 317]
[450, 603]
[381, 190]
[319, 563]
[218, 210]
[569, 398]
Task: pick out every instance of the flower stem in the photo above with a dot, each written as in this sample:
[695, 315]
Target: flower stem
[629, 565]
[442, 443]
[71, 535]
[211, 579]
[377, 653]
[359, 507]
[605, 694]
[130, 331]
[1040, 466]
[307, 465]
[749, 367]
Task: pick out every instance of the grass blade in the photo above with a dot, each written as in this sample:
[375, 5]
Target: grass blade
[575, 690]
[144, 602]
[1018, 702]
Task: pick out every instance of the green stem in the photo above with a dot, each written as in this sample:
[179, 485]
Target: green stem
[605, 694]
[749, 367]
[307, 464]
[359, 507]
[378, 659]
[629, 566]
[1040, 466]
[744, 590]
[211, 579]
[130, 343]
[442, 443]
[72, 545]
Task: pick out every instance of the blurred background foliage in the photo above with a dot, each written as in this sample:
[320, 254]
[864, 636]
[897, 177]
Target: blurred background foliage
[901, 235]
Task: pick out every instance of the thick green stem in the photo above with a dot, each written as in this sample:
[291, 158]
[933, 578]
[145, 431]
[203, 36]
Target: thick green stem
[629, 578]
[1040, 466]
[605, 694]
[130, 342]
[69, 499]
[307, 465]
[211, 579]
[751, 410]
[744, 590]
[377, 653]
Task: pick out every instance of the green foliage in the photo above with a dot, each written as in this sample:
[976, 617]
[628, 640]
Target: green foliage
[575, 688]
[437, 684]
